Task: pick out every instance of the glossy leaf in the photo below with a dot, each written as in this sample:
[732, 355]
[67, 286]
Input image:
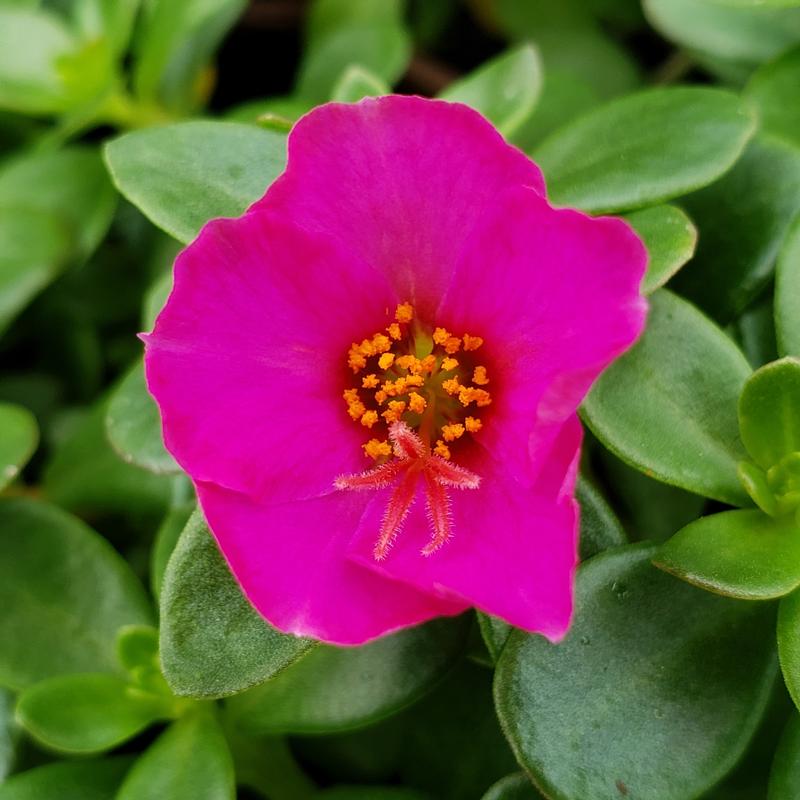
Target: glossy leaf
[180, 176]
[655, 691]
[112, 19]
[670, 238]
[674, 418]
[357, 83]
[70, 591]
[334, 689]
[645, 148]
[774, 90]
[744, 554]
[744, 219]
[769, 412]
[133, 425]
[784, 780]
[742, 37]
[789, 643]
[34, 246]
[787, 293]
[87, 713]
[513, 787]
[79, 192]
[67, 780]
[189, 761]
[19, 436]
[213, 643]
[505, 89]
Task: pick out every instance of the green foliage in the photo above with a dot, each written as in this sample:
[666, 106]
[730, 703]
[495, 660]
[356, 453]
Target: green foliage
[19, 436]
[122, 117]
[670, 238]
[213, 643]
[505, 90]
[335, 689]
[67, 780]
[190, 761]
[674, 418]
[645, 148]
[70, 592]
[691, 696]
[184, 175]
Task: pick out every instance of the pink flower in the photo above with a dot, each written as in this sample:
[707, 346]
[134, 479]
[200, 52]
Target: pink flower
[372, 376]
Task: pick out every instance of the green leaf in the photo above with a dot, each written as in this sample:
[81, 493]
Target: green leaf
[32, 44]
[133, 425]
[513, 787]
[645, 148]
[789, 643]
[787, 292]
[774, 90]
[670, 238]
[655, 691]
[176, 41]
[167, 537]
[743, 219]
[335, 689]
[86, 474]
[357, 83]
[600, 528]
[769, 412]
[71, 184]
[455, 725]
[784, 780]
[760, 4]
[213, 643]
[34, 246]
[95, 779]
[110, 19]
[70, 591]
[180, 176]
[8, 735]
[190, 761]
[87, 713]
[674, 417]
[19, 436]
[137, 646]
[738, 37]
[744, 554]
[505, 89]
[356, 32]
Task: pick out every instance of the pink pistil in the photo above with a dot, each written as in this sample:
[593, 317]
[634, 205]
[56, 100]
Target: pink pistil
[414, 460]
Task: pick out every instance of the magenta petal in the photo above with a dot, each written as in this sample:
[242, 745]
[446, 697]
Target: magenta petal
[290, 561]
[513, 553]
[401, 181]
[247, 360]
[555, 295]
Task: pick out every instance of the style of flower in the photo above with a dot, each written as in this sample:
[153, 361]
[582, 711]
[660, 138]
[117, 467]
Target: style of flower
[372, 376]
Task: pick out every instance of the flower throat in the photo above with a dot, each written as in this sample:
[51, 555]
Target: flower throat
[424, 391]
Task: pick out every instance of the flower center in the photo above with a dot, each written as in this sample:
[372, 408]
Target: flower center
[423, 390]
[429, 379]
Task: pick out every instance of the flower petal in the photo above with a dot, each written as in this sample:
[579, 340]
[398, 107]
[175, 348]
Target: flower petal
[555, 295]
[513, 550]
[401, 181]
[247, 360]
[290, 561]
